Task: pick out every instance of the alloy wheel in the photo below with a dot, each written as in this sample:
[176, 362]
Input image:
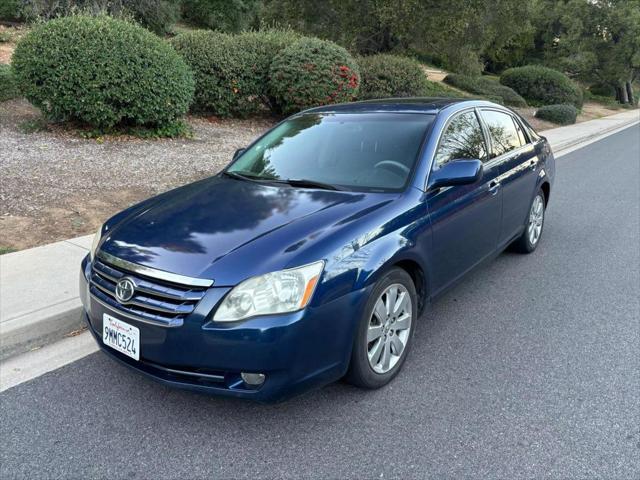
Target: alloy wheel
[389, 328]
[536, 219]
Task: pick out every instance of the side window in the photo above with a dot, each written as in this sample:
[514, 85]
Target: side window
[504, 136]
[462, 138]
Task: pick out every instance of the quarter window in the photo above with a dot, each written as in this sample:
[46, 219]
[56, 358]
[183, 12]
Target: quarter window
[504, 136]
[462, 139]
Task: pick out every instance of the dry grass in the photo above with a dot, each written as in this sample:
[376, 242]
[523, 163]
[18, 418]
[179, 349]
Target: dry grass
[13, 34]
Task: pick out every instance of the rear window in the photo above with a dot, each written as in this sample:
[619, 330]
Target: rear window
[353, 151]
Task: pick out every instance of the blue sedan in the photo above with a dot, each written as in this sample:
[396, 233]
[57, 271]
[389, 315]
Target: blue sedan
[313, 255]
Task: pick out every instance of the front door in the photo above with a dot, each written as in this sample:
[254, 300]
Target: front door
[465, 219]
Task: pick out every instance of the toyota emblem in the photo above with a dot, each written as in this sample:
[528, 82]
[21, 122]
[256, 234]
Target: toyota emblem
[125, 288]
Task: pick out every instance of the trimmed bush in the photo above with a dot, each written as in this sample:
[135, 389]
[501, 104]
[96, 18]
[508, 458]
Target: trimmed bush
[228, 16]
[386, 75]
[157, 15]
[8, 84]
[542, 86]
[264, 45]
[102, 72]
[231, 72]
[313, 72]
[560, 114]
[487, 88]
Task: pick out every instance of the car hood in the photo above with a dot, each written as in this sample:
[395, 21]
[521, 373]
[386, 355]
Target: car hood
[228, 230]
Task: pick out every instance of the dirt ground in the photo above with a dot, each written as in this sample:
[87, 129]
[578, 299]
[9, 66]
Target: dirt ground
[6, 48]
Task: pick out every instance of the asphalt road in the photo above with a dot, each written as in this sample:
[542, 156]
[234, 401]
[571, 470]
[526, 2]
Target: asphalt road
[528, 369]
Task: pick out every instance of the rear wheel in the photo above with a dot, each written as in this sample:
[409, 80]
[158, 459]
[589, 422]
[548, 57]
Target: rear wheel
[385, 331]
[530, 238]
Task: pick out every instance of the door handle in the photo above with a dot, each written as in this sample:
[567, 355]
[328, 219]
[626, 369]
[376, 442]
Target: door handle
[494, 187]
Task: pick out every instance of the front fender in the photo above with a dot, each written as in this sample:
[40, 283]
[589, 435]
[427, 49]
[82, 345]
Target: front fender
[363, 261]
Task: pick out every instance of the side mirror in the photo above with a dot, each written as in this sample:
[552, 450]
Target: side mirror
[238, 152]
[456, 172]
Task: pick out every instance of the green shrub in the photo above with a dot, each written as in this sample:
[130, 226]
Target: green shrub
[10, 10]
[264, 45]
[156, 15]
[542, 86]
[603, 90]
[8, 84]
[386, 75]
[436, 89]
[486, 87]
[102, 72]
[490, 98]
[313, 72]
[560, 114]
[231, 72]
[222, 15]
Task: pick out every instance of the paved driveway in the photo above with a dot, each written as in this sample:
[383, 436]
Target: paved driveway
[529, 368]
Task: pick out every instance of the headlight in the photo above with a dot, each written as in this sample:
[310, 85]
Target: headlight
[277, 292]
[96, 241]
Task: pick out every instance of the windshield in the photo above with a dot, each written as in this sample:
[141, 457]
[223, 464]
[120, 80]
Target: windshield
[352, 151]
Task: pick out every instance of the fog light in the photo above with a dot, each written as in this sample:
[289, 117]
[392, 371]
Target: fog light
[253, 379]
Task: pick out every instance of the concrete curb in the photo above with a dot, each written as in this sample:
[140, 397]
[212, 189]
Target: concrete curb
[564, 138]
[21, 334]
[39, 300]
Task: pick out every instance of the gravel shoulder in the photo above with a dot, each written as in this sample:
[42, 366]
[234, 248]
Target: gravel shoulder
[55, 186]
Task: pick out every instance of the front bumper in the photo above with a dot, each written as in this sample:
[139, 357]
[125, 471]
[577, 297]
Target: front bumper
[296, 351]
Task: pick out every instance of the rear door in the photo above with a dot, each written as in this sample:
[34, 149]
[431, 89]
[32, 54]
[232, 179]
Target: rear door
[514, 151]
[465, 219]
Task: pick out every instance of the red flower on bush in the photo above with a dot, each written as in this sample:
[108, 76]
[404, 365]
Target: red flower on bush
[346, 73]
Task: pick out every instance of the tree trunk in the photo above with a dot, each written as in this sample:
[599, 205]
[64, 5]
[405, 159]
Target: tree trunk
[630, 93]
[623, 94]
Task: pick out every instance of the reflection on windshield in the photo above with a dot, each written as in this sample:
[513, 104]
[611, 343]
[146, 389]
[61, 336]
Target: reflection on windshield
[348, 150]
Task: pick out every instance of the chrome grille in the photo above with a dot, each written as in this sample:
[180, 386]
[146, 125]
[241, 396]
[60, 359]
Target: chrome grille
[154, 301]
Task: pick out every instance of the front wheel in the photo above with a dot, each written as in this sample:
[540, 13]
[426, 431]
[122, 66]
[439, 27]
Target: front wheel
[530, 238]
[385, 331]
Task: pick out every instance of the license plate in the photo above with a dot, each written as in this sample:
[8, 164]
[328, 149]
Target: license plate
[121, 336]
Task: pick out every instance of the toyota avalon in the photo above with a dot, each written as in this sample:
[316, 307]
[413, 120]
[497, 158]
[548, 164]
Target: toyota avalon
[314, 254]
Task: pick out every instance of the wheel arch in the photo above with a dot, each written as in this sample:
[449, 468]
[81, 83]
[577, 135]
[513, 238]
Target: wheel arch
[417, 274]
[546, 189]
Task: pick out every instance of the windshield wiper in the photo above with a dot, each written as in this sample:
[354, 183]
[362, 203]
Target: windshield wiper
[243, 176]
[294, 182]
[303, 182]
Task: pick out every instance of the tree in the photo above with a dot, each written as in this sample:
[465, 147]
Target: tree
[459, 33]
[593, 40]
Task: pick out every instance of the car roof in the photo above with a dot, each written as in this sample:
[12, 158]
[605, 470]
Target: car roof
[401, 105]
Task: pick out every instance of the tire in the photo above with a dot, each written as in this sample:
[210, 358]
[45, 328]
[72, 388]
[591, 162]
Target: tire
[530, 238]
[376, 373]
